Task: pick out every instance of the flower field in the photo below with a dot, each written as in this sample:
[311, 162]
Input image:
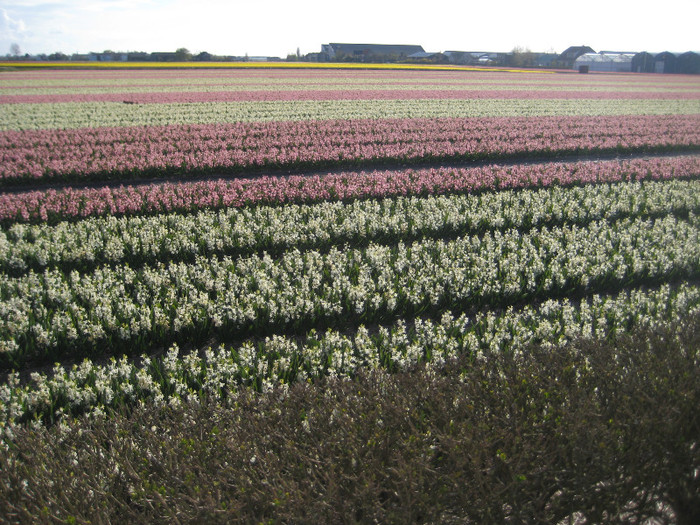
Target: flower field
[170, 235]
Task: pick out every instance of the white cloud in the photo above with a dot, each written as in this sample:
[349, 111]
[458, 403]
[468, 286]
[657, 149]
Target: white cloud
[13, 32]
[9, 26]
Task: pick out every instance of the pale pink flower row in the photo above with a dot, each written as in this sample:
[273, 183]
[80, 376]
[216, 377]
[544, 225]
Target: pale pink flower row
[190, 196]
[347, 94]
[336, 74]
[323, 82]
[211, 148]
[459, 75]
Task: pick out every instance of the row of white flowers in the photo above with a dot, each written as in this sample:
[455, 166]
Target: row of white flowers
[173, 378]
[70, 115]
[50, 314]
[138, 240]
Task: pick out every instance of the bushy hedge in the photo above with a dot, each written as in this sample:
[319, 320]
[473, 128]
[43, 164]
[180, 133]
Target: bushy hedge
[596, 432]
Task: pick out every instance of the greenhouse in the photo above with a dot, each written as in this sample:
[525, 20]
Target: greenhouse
[603, 61]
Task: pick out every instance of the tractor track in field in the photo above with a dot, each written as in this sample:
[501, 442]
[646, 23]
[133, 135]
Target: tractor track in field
[118, 180]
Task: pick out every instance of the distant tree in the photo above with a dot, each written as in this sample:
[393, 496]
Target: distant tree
[203, 57]
[58, 56]
[521, 57]
[15, 51]
[183, 54]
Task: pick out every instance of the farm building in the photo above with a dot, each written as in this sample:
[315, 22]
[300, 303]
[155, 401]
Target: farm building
[427, 58]
[107, 56]
[643, 62]
[688, 63]
[605, 61]
[475, 58]
[368, 52]
[665, 62]
[164, 56]
[568, 57]
[545, 59]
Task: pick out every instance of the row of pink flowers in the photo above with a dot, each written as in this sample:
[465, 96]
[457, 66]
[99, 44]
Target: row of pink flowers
[190, 196]
[359, 83]
[345, 94]
[162, 150]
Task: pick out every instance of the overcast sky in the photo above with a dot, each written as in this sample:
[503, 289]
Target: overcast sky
[279, 27]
